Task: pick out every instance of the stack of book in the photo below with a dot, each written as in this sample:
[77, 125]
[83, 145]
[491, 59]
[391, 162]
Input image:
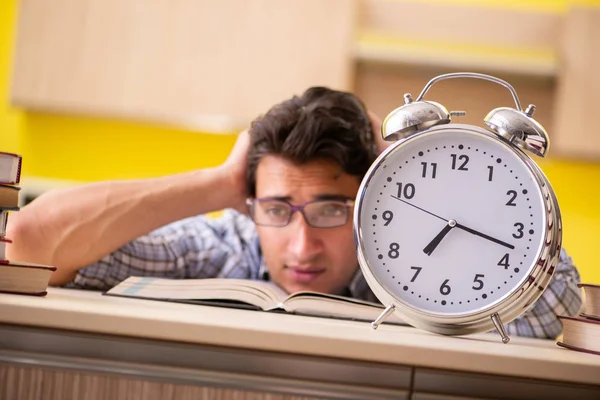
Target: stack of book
[15, 276]
[582, 333]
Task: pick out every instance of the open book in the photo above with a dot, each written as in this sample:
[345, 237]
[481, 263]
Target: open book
[259, 295]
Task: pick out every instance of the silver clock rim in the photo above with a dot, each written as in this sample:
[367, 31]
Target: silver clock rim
[512, 305]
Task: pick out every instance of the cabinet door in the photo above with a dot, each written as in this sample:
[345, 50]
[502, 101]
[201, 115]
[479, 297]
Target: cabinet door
[430, 383]
[433, 396]
[578, 93]
[208, 64]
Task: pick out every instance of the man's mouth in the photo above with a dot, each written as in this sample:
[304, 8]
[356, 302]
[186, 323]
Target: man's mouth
[305, 274]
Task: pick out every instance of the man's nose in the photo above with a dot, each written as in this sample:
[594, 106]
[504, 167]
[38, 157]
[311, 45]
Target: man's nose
[305, 242]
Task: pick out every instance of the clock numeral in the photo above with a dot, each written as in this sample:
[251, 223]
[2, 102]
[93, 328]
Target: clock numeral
[418, 271]
[445, 289]
[504, 262]
[511, 201]
[408, 190]
[394, 253]
[520, 228]
[464, 158]
[433, 169]
[491, 172]
[478, 281]
[388, 216]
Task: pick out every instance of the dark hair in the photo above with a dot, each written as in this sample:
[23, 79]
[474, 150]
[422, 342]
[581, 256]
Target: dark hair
[320, 124]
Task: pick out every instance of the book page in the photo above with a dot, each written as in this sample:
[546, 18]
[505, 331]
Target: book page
[329, 305]
[591, 301]
[262, 294]
[8, 166]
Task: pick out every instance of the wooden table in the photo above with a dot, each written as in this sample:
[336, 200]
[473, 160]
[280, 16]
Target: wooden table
[80, 344]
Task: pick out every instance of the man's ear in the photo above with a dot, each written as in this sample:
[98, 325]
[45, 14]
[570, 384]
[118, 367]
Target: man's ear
[376, 125]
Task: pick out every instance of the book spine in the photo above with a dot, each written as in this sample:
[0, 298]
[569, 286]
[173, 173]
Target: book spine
[14, 178]
[18, 176]
[3, 222]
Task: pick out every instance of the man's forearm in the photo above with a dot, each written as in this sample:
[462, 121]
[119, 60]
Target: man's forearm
[75, 227]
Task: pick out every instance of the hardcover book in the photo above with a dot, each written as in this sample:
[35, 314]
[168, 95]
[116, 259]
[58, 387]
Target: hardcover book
[9, 197]
[24, 278]
[583, 333]
[10, 168]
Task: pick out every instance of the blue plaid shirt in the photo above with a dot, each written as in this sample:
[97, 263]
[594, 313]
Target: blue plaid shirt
[228, 247]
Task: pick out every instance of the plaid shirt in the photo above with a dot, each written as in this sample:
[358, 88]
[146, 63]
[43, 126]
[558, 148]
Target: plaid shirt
[228, 247]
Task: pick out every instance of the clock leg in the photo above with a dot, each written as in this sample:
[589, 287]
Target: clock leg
[386, 313]
[500, 328]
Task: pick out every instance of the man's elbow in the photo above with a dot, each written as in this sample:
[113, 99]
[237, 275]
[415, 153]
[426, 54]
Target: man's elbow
[28, 245]
[24, 237]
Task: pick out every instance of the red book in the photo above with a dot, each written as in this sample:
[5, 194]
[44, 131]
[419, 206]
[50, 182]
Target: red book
[582, 333]
[24, 278]
[10, 168]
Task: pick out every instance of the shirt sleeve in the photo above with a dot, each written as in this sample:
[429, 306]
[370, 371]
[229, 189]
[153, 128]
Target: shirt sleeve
[197, 247]
[561, 297]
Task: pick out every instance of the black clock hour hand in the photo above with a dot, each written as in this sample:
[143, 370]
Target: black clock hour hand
[438, 238]
[419, 208]
[483, 235]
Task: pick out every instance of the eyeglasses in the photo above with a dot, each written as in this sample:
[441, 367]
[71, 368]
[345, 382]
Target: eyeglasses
[317, 213]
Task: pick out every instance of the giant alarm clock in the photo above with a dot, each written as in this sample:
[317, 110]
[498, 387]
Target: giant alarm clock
[457, 228]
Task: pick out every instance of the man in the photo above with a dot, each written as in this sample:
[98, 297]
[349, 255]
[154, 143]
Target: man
[307, 154]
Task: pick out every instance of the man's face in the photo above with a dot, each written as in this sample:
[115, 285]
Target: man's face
[298, 256]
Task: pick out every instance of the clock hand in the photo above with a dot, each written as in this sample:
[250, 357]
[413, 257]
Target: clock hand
[483, 235]
[464, 228]
[419, 208]
[436, 240]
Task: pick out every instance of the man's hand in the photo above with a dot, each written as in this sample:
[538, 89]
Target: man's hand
[235, 170]
[376, 124]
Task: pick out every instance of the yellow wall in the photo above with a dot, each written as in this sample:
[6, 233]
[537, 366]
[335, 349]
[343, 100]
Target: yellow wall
[9, 119]
[552, 6]
[70, 147]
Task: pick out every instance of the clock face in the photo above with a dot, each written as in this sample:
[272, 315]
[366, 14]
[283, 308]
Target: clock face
[450, 221]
